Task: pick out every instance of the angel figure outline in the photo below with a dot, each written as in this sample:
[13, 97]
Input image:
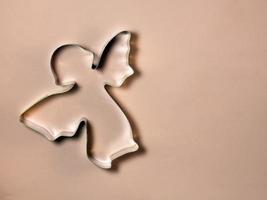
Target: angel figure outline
[81, 96]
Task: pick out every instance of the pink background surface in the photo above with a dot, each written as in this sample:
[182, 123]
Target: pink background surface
[197, 103]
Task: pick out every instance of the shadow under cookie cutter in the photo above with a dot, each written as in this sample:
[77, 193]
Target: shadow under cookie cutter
[126, 144]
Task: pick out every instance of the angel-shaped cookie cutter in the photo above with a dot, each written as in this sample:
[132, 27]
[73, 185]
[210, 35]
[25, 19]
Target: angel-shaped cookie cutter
[60, 112]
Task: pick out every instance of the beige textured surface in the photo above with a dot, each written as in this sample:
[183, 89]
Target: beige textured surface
[198, 104]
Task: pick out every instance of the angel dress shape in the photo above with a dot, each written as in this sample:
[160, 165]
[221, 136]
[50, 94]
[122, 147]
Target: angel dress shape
[81, 96]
